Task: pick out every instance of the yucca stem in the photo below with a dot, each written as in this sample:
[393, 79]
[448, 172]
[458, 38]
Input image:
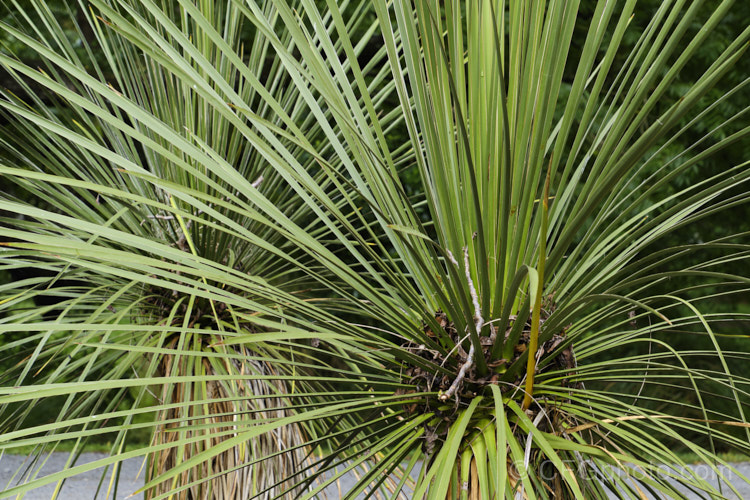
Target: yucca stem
[537, 308]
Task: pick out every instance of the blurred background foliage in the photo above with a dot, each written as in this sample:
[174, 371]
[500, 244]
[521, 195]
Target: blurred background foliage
[734, 334]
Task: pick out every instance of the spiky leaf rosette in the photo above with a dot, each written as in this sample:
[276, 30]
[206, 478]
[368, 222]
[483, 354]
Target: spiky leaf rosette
[530, 321]
[491, 348]
[557, 322]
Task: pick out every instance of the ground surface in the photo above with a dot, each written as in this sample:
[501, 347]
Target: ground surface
[84, 486]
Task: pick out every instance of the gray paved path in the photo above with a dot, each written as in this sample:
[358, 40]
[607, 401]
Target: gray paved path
[84, 486]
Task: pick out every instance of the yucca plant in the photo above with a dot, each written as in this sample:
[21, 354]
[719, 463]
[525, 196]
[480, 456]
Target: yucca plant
[505, 332]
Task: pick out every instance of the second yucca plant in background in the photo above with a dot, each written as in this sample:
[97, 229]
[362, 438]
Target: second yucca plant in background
[511, 347]
[136, 160]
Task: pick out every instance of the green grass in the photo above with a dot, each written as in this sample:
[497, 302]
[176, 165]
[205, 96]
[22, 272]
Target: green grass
[67, 447]
[729, 456]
